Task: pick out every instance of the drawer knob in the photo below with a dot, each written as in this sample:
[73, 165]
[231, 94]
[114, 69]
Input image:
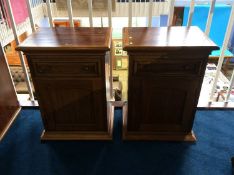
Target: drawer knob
[86, 68]
[44, 69]
[164, 57]
[41, 70]
[187, 67]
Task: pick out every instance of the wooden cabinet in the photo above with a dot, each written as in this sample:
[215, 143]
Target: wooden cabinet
[70, 72]
[166, 69]
[9, 105]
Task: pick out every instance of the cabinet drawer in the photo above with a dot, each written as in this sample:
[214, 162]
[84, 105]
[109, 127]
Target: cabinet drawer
[167, 68]
[79, 69]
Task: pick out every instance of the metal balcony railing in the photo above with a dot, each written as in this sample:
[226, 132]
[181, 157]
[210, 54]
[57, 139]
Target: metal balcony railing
[38, 9]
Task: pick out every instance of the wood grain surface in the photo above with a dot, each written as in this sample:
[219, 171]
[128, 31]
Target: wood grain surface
[66, 38]
[165, 38]
[9, 106]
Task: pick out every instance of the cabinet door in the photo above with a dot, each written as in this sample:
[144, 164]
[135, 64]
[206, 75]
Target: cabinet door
[161, 104]
[72, 104]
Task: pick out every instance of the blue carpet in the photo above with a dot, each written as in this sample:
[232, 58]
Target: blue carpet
[22, 153]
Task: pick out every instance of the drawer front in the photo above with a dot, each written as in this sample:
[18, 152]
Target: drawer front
[167, 67]
[80, 69]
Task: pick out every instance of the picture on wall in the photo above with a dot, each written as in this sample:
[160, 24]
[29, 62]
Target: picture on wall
[118, 44]
[120, 57]
[125, 53]
[118, 51]
[119, 63]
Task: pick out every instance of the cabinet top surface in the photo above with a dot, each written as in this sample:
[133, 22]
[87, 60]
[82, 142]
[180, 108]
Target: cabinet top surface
[142, 38]
[66, 38]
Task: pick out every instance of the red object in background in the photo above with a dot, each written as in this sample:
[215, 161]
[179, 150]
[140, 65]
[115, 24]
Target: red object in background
[19, 10]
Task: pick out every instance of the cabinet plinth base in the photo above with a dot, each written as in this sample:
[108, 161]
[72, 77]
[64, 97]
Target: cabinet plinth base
[71, 135]
[83, 135]
[153, 135]
[167, 136]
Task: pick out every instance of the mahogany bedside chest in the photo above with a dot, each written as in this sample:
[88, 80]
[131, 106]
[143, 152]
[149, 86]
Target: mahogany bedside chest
[166, 69]
[70, 72]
